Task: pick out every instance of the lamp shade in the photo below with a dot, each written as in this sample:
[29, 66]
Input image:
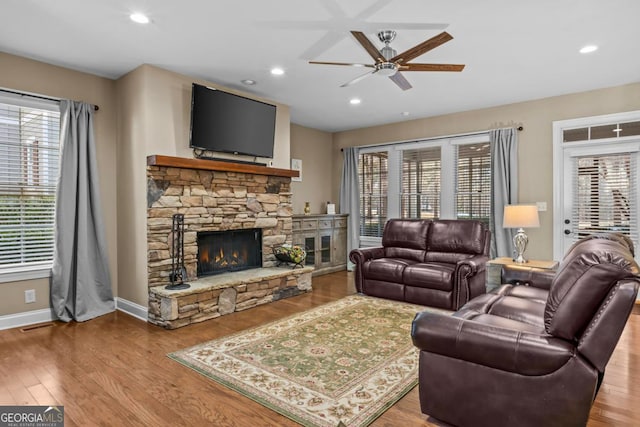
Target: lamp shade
[521, 216]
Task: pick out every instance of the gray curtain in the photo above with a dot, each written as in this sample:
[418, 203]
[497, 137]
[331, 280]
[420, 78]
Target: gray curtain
[350, 199]
[80, 281]
[504, 187]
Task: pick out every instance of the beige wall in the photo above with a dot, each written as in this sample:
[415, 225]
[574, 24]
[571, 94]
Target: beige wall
[535, 141]
[154, 118]
[132, 123]
[314, 148]
[26, 75]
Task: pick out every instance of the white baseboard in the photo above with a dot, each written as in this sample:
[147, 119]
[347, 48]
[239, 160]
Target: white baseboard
[26, 318]
[10, 321]
[136, 310]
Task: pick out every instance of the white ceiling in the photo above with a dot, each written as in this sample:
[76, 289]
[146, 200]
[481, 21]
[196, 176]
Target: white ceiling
[513, 50]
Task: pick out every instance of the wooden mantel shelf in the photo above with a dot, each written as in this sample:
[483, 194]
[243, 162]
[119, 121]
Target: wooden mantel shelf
[216, 165]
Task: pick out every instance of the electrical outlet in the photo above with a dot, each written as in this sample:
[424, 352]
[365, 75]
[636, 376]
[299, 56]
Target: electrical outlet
[542, 206]
[29, 296]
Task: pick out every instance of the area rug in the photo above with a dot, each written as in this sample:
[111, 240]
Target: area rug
[343, 363]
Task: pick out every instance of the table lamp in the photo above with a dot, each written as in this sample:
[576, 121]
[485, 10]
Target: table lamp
[520, 217]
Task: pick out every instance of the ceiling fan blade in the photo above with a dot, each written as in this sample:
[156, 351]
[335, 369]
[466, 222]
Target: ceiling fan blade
[341, 63]
[357, 79]
[423, 47]
[432, 67]
[325, 43]
[372, 10]
[374, 27]
[402, 83]
[368, 46]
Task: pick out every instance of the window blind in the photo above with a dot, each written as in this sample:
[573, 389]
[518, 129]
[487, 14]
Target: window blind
[29, 155]
[373, 170]
[473, 182]
[606, 192]
[420, 189]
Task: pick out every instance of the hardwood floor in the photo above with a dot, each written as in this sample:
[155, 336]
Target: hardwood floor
[113, 371]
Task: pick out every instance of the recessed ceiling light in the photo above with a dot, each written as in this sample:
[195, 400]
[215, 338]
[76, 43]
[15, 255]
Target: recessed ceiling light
[404, 113]
[589, 48]
[277, 71]
[248, 82]
[355, 101]
[140, 18]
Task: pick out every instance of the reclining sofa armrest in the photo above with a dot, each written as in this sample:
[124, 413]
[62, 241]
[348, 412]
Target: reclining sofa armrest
[476, 264]
[505, 349]
[359, 257]
[529, 276]
[470, 279]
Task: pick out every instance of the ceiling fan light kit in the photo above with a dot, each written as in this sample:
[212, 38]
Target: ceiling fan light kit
[387, 69]
[389, 64]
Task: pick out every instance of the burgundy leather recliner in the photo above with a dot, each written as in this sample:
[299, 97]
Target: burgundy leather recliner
[533, 351]
[438, 263]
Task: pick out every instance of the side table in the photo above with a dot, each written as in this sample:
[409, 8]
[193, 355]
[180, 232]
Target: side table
[494, 269]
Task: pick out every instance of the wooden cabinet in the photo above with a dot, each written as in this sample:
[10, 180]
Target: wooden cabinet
[325, 239]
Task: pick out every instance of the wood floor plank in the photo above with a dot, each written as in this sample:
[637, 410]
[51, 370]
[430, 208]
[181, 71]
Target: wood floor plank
[42, 395]
[114, 371]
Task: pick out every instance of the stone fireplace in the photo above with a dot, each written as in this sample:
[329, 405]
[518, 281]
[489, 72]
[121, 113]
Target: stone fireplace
[244, 201]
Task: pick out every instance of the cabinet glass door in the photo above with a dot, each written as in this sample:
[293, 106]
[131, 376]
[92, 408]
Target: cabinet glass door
[310, 247]
[325, 249]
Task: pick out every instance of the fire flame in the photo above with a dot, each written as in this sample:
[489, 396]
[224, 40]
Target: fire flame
[221, 260]
[204, 256]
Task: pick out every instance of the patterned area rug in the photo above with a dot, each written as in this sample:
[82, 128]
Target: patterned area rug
[343, 362]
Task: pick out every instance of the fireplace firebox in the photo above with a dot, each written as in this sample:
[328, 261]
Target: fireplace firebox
[232, 250]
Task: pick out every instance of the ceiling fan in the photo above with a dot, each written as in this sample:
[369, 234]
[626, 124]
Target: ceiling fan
[389, 63]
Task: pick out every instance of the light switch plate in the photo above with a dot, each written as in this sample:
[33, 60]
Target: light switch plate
[542, 206]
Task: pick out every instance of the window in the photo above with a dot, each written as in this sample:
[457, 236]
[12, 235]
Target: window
[372, 176]
[603, 131]
[473, 189]
[420, 195]
[439, 178]
[29, 154]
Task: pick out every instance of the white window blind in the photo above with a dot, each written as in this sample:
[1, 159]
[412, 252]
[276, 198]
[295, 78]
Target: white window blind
[373, 173]
[606, 192]
[420, 194]
[473, 182]
[29, 154]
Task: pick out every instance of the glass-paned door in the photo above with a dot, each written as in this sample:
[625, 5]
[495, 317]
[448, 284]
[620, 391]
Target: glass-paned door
[595, 178]
[602, 192]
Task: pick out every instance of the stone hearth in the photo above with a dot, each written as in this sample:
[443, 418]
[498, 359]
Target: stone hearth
[214, 296]
[215, 196]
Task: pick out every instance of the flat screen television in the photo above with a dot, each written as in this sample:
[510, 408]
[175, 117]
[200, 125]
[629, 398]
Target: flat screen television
[228, 123]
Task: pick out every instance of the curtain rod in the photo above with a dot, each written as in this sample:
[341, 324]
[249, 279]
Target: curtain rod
[520, 128]
[48, 98]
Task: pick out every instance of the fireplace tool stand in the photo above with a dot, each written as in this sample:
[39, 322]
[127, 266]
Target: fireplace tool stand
[178, 272]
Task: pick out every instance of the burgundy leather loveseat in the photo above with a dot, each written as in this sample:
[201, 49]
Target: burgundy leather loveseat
[533, 351]
[439, 263]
